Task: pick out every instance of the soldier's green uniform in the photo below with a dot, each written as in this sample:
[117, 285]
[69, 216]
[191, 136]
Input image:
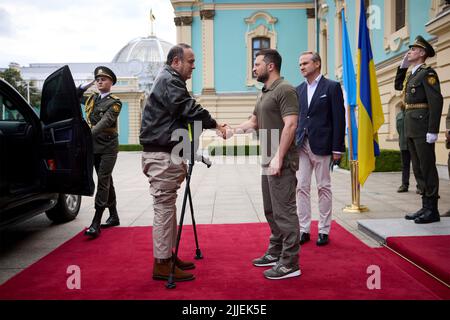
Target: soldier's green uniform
[103, 122]
[102, 116]
[423, 103]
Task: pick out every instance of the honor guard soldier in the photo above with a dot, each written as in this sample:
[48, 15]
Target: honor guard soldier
[423, 104]
[102, 110]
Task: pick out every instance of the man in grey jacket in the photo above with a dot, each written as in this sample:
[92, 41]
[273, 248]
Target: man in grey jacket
[169, 107]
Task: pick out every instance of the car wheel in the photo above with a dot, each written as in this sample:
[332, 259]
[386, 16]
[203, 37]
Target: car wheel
[66, 208]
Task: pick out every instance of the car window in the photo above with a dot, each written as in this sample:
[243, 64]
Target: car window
[8, 112]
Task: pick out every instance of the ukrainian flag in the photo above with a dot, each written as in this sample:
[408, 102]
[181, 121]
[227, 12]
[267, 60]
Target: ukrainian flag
[370, 112]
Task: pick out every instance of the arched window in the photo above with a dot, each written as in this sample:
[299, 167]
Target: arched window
[367, 5]
[400, 13]
[396, 31]
[260, 35]
[258, 44]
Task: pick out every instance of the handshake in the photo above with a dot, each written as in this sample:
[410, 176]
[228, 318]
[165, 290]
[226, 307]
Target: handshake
[224, 130]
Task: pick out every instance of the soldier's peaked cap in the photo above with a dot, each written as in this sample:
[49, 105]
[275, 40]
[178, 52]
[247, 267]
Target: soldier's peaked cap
[102, 71]
[422, 43]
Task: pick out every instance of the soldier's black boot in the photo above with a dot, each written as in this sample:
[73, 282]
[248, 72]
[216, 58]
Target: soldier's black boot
[414, 215]
[113, 219]
[431, 213]
[94, 229]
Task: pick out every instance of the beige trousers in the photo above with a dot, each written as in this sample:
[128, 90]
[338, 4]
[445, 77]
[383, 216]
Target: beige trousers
[308, 162]
[165, 178]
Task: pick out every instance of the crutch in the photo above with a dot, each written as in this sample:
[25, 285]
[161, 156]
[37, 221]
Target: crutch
[187, 195]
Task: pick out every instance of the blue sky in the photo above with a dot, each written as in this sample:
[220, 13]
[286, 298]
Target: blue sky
[77, 31]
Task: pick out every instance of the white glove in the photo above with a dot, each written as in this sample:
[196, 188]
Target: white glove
[432, 137]
[87, 85]
[405, 63]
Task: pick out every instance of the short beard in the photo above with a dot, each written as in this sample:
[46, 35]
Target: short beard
[263, 77]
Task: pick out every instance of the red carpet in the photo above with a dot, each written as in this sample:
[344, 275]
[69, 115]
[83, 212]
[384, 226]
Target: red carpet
[437, 287]
[118, 265]
[429, 252]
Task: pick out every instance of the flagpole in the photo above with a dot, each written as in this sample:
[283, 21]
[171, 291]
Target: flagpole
[350, 133]
[355, 207]
[152, 20]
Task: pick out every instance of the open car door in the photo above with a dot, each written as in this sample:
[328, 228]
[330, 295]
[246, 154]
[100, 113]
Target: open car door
[67, 142]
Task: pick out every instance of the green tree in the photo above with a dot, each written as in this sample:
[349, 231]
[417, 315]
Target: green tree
[13, 77]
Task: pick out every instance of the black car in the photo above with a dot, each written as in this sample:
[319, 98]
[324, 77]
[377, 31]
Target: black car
[46, 161]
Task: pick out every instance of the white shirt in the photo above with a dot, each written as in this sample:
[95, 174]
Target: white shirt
[102, 95]
[312, 88]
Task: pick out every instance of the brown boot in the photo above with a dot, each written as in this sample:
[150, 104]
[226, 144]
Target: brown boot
[163, 267]
[184, 265]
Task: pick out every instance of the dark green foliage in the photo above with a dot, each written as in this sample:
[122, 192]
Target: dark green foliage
[13, 77]
[130, 147]
[387, 161]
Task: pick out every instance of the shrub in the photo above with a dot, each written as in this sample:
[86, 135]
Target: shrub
[387, 161]
[130, 147]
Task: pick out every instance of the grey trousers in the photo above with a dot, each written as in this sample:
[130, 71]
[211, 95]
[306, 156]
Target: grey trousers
[280, 210]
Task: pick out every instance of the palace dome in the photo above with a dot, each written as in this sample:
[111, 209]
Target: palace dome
[148, 49]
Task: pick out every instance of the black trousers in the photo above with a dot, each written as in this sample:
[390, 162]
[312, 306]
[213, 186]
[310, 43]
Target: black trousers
[423, 159]
[406, 165]
[106, 194]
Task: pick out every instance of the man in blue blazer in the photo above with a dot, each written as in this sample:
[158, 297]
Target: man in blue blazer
[320, 139]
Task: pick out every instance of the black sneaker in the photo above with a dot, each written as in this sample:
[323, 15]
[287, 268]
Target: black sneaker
[402, 188]
[304, 237]
[265, 260]
[280, 271]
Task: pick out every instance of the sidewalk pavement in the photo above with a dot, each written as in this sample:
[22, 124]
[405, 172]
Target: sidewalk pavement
[228, 192]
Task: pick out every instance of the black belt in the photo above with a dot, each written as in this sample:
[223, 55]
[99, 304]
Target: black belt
[155, 148]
